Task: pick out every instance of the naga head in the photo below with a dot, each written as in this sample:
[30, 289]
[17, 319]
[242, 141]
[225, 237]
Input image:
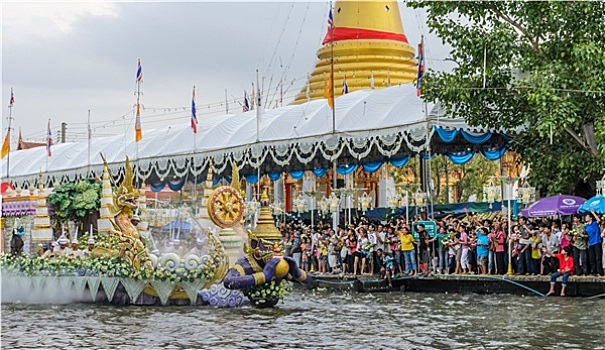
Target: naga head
[262, 249]
[127, 196]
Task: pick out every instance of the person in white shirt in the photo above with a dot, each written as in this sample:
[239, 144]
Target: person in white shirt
[91, 245]
[63, 249]
[314, 248]
[198, 249]
[50, 252]
[75, 249]
[373, 257]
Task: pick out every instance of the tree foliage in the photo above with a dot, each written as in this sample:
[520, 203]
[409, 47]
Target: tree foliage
[468, 179]
[544, 77]
[75, 201]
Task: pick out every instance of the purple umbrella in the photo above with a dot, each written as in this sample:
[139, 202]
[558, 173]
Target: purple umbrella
[549, 206]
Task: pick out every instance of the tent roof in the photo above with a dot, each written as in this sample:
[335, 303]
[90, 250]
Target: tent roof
[393, 120]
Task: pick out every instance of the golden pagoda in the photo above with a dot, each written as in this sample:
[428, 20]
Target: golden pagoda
[265, 227]
[104, 224]
[367, 44]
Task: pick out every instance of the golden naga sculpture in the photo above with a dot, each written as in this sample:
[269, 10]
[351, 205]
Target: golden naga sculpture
[131, 247]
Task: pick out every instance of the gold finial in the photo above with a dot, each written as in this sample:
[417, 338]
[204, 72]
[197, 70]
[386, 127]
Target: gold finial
[128, 175]
[40, 182]
[235, 176]
[209, 174]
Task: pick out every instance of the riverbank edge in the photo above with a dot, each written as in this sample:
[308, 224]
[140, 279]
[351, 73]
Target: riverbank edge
[578, 286]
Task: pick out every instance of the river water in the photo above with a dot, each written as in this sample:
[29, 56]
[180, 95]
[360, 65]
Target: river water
[311, 319]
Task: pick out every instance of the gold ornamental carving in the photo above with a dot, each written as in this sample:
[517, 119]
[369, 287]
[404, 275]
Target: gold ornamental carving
[225, 207]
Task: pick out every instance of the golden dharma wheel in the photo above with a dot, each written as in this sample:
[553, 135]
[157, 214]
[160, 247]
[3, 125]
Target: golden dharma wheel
[225, 207]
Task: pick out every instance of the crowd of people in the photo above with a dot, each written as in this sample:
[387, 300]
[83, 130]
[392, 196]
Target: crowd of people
[462, 244]
[62, 248]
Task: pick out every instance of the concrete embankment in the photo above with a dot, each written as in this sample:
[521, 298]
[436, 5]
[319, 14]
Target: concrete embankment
[581, 286]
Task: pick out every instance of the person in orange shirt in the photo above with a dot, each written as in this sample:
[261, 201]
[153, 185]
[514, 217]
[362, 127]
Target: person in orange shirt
[566, 268]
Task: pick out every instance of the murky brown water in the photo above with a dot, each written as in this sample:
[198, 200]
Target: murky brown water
[312, 320]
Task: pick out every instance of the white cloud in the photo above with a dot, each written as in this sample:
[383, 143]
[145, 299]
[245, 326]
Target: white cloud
[23, 21]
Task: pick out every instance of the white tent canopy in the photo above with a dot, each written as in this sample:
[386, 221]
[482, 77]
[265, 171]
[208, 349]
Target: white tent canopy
[385, 121]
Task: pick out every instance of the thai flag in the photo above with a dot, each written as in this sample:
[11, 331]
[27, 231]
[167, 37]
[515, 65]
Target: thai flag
[139, 71]
[49, 139]
[193, 113]
[246, 106]
[12, 100]
[345, 87]
[420, 66]
[330, 18]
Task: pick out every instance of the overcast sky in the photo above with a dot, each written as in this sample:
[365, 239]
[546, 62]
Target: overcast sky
[63, 59]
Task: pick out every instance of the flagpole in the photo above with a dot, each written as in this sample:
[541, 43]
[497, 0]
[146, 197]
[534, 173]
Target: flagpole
[428, 128]
[257, 111]
[10, 119]
[48, 144]
[335, 181]
[281, 91]
[193, 112]
[89, 140]
[258, 115]
[138, 112]
[308, 93]
[137, 126]
[226, 103]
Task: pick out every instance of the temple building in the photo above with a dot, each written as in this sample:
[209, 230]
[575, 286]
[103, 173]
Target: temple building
[367, 45]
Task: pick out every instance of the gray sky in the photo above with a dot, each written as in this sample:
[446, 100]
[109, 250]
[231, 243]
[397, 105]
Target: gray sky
[63, 58]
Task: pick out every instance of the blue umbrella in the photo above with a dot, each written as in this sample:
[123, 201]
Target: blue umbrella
[184, 225]
[596, 203]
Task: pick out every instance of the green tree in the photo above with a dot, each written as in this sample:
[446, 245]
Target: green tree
[77, 201]
[544, 64]
[475, 174]
[468, 179]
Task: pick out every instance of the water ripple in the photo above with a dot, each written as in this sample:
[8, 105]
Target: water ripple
[315, 320]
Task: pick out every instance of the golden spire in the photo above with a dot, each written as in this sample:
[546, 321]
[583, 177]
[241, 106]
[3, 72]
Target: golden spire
[40, 184]
[265, 227]
[235, 176]
[368, 40]
[207, 190]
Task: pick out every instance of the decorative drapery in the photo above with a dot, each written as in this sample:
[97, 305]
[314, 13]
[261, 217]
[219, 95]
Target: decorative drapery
[371, 126]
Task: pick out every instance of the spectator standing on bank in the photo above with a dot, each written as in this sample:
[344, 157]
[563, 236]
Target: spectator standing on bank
[482, 250]
[406, 241]
[524, 259]
[296, 250]
[595, 250]
[579, 242]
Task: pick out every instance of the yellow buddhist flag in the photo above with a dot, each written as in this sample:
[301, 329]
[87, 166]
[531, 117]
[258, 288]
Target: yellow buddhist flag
[138, 132]
[328, 92]
[6, 147]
